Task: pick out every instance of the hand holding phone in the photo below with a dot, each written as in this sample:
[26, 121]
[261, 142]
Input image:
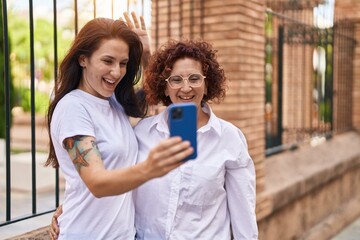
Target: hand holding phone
[182, 121]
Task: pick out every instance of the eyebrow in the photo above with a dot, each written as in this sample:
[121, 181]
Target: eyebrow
[111, 57]
[183, 75]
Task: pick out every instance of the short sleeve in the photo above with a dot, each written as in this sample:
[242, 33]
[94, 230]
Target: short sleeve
[70, 118]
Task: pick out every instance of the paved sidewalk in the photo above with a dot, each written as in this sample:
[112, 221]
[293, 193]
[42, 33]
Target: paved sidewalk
[25, 226]
[351, 232]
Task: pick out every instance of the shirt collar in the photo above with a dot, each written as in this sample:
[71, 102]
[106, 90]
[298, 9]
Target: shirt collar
[213, 123]
[160, 122]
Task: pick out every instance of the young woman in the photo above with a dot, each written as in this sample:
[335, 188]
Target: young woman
[91, 138]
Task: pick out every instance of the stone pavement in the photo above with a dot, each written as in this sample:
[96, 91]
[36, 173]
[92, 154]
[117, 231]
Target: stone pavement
[21, 197]
[11, 231]
[352, 232]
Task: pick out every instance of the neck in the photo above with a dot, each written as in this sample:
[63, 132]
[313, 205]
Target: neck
[203, 118]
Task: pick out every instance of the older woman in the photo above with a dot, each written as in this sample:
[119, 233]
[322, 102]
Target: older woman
[204, 197]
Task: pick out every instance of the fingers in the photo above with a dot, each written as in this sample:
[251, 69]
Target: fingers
[178, 150]
[54, 228]
[166, 144]
[52, 233]
[54, 225]
[134, 23]
[164, 157]
[128, 20]
[172, 151]
[142, 20]
[135, 19]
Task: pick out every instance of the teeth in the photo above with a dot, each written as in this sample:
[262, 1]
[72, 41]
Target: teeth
[186, 98]
[109, 81]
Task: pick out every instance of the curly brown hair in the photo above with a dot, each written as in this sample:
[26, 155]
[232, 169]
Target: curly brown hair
[162, 62]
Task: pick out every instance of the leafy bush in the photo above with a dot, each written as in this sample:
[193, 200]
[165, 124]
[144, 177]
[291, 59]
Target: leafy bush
[41, 101]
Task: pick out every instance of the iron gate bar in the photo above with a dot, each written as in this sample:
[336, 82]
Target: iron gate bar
[32, 107]
[7, 111]
[57, 175]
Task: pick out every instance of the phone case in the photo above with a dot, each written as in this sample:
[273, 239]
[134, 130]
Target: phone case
[182, 120]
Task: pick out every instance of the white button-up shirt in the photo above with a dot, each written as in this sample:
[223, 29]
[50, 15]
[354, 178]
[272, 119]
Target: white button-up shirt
[202, 197]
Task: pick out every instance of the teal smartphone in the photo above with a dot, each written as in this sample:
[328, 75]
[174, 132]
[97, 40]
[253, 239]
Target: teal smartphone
[182, 121]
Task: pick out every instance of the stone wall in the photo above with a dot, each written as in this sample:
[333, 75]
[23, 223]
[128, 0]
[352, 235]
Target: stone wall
[311, 192]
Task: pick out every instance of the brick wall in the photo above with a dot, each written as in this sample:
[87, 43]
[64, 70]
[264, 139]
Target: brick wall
[236, 30]
[350, 10]
[343, 76]
[356, 77]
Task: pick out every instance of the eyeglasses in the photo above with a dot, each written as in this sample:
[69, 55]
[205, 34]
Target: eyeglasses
[178, 81]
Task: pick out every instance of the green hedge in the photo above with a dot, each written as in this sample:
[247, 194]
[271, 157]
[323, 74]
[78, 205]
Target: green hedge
[41, 101]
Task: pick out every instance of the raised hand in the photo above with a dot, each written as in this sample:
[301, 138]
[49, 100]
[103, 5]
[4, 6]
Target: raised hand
[139, 29]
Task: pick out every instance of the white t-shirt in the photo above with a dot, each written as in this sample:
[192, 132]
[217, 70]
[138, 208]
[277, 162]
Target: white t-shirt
[85, 216]
[199, 199]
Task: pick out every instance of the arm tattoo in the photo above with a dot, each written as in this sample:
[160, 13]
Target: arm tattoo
[96, 148]
[71, 144]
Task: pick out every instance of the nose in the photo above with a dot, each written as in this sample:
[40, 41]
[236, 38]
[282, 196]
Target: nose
[186, 87]
[116, 71]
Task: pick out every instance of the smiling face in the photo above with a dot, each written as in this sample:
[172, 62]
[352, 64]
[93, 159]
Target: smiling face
[103, 71]
[184, 67]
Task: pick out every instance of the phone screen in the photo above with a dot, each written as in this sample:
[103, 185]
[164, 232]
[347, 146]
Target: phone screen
[182, 120]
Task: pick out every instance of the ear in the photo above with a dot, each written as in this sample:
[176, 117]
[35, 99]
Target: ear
[82, 61]
[166, 92]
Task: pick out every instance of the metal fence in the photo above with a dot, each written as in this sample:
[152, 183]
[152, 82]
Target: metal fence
[31, 70]
[305, 77]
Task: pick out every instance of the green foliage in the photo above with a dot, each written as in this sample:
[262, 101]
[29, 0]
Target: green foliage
[326, 111]
[43, 47]
[268, 24]
[41, 101]
[19, 30]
